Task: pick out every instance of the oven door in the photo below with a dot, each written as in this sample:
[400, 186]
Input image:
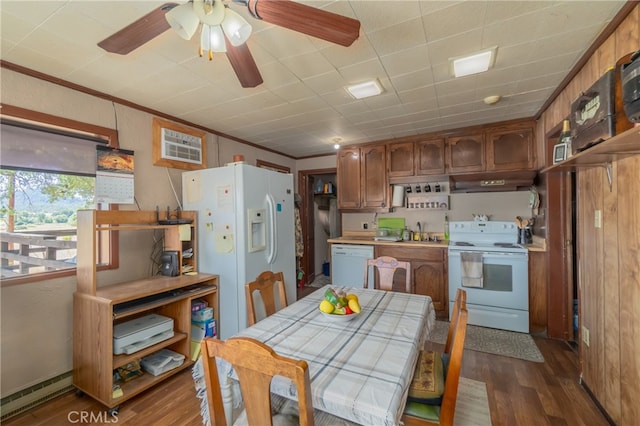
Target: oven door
[505, 280]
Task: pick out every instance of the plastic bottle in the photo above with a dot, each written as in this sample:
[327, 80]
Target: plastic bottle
[446, 227]
[405, 234]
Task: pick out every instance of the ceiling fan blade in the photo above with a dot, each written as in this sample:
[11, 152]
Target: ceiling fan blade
[243, 64]
[308, 20]
[139, 32]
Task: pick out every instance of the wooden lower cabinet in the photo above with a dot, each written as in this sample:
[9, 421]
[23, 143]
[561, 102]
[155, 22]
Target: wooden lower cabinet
[428, 272]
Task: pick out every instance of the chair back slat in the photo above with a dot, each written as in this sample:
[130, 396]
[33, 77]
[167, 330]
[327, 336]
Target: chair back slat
[386, 267]
[265, 284]
[255, 364]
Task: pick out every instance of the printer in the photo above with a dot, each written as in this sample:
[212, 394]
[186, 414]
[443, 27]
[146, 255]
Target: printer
[140, 333]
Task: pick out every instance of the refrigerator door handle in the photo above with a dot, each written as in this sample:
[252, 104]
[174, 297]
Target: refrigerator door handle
[272, 230]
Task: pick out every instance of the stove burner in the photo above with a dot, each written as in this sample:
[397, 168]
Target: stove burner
[464, 243]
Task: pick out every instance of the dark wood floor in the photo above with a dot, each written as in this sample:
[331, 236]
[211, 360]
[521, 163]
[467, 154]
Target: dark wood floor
[520, 393]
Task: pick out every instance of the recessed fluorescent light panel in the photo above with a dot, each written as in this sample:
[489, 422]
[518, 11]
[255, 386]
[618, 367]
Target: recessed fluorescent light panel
[365, 90]
[473, 64]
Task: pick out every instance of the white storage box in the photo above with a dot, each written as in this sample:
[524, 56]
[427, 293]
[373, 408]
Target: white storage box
[131, 336]
[162, 361]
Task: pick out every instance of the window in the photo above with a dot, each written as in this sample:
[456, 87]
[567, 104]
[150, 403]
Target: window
[47, 173]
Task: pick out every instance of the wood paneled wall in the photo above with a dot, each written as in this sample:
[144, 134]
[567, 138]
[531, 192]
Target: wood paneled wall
[609, 256]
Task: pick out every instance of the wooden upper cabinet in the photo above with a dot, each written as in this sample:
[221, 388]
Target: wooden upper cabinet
[400, 159]
[430, 157]
[510, 149]
[465, 153]
[373, 175]
[362, 177]
[348, 178]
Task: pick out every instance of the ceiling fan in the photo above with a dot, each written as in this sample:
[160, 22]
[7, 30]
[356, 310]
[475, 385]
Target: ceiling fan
[298, 17]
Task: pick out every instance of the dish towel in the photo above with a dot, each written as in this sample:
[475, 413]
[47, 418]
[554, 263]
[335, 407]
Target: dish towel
[471, 266]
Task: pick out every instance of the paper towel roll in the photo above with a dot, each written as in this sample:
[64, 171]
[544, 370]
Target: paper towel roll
[398, 196]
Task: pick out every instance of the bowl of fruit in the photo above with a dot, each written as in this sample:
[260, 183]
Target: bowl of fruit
[339, 306]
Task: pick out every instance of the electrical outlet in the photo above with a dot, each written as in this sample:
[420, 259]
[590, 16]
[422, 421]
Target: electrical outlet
[598, 218]
[364, 225]
[585, 335]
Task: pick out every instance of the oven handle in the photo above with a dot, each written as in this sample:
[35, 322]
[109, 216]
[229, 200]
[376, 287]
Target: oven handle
[489, 255]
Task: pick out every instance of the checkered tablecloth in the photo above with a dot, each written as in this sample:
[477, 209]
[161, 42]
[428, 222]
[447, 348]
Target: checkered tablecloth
[360, 370]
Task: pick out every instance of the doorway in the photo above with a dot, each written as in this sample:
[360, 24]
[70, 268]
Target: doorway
[315, 207]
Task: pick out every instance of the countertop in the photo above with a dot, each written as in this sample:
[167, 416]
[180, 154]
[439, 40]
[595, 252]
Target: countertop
[367, 238]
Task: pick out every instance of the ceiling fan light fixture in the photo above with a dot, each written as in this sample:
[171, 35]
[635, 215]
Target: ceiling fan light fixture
[212, 39]
[365, 90]
[235, 27]
[183, 20]
[210, 12]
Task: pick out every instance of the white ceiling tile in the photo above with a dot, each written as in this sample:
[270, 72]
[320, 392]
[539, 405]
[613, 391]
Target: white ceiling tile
[406, 61]
[293, 92]
[461, 44]
[276, 74]
[450, 21]
[363, 71]
[325, 83]
[307, 65]
[398, 37]
[420, 78]
[376, 15]
[340, 56]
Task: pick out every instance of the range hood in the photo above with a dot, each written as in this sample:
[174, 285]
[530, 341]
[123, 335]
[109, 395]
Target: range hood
[493, 181]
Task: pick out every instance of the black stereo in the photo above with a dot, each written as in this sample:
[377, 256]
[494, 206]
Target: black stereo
[631, 87]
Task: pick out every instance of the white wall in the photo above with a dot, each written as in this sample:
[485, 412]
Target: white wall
[36, 319]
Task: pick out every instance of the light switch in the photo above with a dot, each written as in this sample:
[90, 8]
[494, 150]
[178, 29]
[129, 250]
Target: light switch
[598, 218]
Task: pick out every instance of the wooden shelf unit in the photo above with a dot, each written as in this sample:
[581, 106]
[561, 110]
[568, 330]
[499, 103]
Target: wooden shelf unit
[624, 145]
[97, 310]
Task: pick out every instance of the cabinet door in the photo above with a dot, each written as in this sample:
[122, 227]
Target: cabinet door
[374, 187]
[428, 273]
[430, 157]
[348, 178]
[429, 280]
[465, 153]
[510, 150]
[400, 159]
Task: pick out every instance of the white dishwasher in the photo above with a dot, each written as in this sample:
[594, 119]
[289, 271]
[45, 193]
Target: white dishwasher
[348, 263]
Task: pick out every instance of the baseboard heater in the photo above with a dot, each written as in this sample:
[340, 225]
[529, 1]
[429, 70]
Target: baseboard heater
[35, 395]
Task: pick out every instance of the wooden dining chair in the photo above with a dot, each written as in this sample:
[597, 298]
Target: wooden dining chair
[387, 266]
[440, 410]
[266, 284]
[255, 364]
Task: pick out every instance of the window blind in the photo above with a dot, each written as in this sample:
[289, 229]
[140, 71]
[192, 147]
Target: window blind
[28, 147]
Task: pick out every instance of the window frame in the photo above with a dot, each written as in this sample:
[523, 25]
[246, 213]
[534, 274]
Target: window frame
[109, 135]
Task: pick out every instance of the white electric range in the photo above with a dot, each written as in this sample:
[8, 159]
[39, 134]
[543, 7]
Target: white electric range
[499, 296]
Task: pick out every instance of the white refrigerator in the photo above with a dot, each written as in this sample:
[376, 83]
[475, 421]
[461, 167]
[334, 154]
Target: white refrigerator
[246, 226]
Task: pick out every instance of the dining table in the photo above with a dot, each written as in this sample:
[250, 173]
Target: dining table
[361, 366]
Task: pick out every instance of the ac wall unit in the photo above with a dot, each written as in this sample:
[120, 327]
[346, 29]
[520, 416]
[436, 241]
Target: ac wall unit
[181, 146]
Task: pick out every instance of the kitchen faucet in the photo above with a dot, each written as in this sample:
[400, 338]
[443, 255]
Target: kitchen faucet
[419, 231]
